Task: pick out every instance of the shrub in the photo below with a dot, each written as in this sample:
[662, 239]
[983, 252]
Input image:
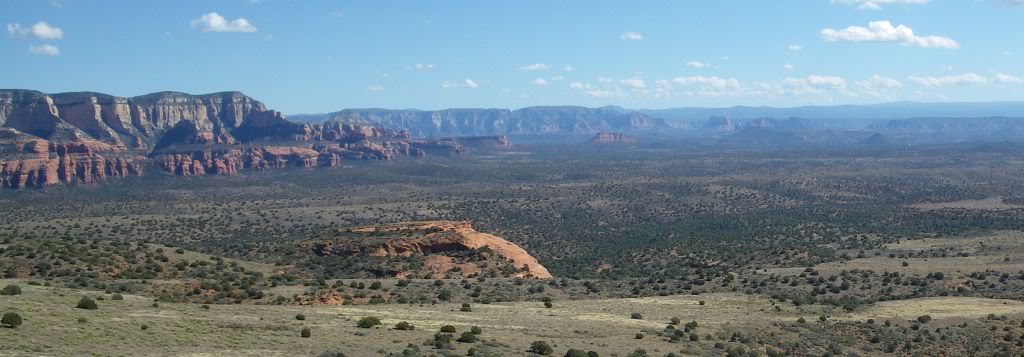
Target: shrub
[466, 308]
[117, 297]
[11, 290]
[448, 329]
[368, 322]
[442, 340]
[144, 327]
[468, 337]
[540, 347]
[300, 317]
[636, 316]
[547, 304]
[924, 318]
[404, 326]
[476, 330]
[676, 321]
[305, 332]
[11, 320]
[572, 352]
[639, 336]
[87, 303]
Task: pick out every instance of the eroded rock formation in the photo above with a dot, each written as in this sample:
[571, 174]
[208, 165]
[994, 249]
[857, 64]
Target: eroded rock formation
[437, 241]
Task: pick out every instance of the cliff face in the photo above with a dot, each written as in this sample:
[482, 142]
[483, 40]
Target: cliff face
[90, 137]
[40, 163]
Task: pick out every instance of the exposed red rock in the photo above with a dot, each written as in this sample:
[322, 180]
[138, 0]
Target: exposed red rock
[433, 239]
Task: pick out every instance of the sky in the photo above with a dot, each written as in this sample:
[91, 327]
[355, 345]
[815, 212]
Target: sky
[320, 56]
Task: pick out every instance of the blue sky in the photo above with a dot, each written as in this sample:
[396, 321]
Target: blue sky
[318, 56]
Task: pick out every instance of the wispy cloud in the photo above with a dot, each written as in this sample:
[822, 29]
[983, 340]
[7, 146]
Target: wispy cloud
[375, 88]
[421, 67]
[46, 50]
[877, 4]
[569, 68]
[41, 30]
[884, 31]
[631, 36]
[696, 64]
[1003, 78]
[539, 82]
[795, 47]
[467, 83]
[213, 22]
[534, 67]
[946, 81]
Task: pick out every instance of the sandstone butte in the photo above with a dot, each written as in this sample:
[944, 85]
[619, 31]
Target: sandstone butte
[463, 237]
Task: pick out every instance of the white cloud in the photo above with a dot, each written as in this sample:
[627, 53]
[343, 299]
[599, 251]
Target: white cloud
[877, 82]
[375, 88]
[634, 83]
[604, 79]
[557, 78]
[714, 83]
[812, 84]
[580, 85]
[631, 36]
[568, 68]
[877, 4]
[957, 80]
[795, 47]
[421, 66]
[41, 30]
[534, 67]
[1003, 78]
[788, 66]
[48, 50]
[603, 93]
[213, 22]
[467, 83]
[540, 82]
[696, 64]
[884, 31]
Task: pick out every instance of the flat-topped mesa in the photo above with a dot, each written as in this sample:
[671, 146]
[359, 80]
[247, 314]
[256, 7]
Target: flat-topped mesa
[612, 138]
[183, 134]
[433, 239]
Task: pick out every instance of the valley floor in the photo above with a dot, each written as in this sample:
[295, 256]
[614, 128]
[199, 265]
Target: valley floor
[53, 326]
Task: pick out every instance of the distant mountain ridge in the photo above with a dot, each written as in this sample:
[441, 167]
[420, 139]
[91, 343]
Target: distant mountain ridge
[472, 122]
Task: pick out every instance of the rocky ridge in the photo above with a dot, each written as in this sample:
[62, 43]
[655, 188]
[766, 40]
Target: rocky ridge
[91, 137]
[437, 241]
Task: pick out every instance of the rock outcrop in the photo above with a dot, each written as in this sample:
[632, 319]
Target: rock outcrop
[39, 163]
[437, 241]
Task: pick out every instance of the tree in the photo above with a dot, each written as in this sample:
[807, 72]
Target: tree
[368, 322]
[404, 326]
[924, 319]
[476, 330]
[466, 308]
[300, 317]
[547, 304]
[542, 348]
[636, 316]
[305, 332]
[448, 329]
[87, 303]
[11, 319]
[11, 290]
